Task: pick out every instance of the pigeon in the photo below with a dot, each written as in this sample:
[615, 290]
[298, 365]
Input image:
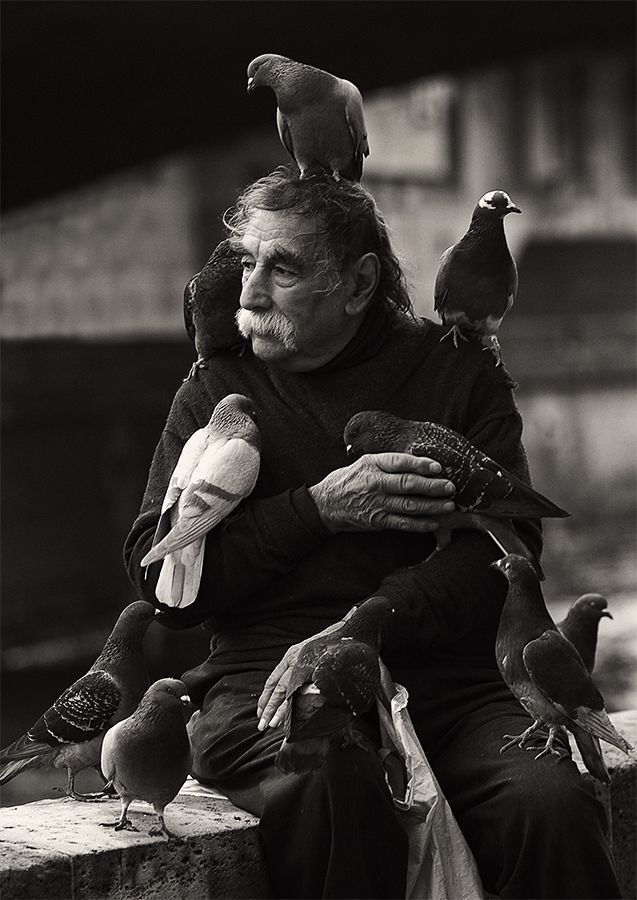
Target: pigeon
[211, 300]
[335, 679]
[70, 733]
[217, 469]
[547, 675]
[487, 497]
[147, 755]
[319, 116]
[582, 623]
[477, 278]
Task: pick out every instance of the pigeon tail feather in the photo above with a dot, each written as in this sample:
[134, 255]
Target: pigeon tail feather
[591, 752]
[15, 766]
[597, 723]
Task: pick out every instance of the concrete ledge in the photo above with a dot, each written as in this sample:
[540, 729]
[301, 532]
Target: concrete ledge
[56, 848]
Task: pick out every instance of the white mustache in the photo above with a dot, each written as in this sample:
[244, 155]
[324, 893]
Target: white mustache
[266, 324]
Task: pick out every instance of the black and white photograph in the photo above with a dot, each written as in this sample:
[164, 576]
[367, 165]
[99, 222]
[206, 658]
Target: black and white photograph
[318, 444]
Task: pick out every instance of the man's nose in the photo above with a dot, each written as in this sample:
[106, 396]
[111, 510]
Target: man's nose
[254, 292]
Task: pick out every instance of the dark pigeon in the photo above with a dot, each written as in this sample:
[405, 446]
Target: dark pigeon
[581, 625]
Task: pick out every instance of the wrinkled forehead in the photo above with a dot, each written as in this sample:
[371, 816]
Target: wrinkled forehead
[267, 230]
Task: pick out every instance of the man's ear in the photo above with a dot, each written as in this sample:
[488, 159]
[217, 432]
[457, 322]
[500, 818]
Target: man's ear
[366, 275]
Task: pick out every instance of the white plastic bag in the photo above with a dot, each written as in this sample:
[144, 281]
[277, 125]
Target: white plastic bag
[441, 866]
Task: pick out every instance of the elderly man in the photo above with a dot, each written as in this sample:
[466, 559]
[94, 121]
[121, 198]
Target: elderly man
[330, 333]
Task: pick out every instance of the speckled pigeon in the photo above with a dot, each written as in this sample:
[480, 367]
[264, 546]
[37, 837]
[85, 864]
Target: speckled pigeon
[477, 278]
[218, 467]
[581, 625]
[69, 735]
[319, 116]
[487, 496]
[546, 674]
[211, 300]
[335, 679]
[147, 755]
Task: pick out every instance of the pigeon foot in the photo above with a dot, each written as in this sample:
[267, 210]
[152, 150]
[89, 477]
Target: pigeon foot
[121, 825]
[554, 731]
[199, 363]
[160, 829]
[520, 740]
[457, 334]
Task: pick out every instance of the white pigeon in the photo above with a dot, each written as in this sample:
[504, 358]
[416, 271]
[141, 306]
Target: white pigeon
[218, 467]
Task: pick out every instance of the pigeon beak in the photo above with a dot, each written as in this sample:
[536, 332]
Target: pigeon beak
[513, 209]
[185, 698]
[606, 614]
[348, 449]
[250, 85]
[498, 565]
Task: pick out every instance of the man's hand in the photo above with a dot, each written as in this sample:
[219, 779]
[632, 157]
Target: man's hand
[384, 490]
[272, 704]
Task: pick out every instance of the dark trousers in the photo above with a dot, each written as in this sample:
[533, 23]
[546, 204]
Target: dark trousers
[534, 826]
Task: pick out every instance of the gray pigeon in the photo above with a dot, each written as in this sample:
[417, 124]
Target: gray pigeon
[581, 625]
[69, 735]
[147, 756]
[319, 116]
[335, 679]
[546, 674]
[211, 300]
[477, 278]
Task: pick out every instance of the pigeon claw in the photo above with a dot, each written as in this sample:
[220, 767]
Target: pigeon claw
[491, 343]
[457, 334]
[519, 740]
[121, 825]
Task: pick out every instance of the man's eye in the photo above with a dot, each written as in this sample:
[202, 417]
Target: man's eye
[248, 265]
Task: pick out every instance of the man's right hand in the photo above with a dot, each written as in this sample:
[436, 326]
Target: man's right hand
[384, 491]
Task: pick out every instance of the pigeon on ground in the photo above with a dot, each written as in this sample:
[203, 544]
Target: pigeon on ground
[546, 674]
[581, 625]
[211, 300]
[319, 116]
[487, 497]
[70, 733]
[335, 679]
[147, 756]
[217, 469]
[477, 278]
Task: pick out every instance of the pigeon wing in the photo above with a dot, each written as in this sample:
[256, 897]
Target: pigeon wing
[441, 283]
[284, 133]
[356, 124]
[558, 671]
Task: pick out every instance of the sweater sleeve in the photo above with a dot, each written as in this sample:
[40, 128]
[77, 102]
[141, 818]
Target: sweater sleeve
[261, 539]
[454, 592]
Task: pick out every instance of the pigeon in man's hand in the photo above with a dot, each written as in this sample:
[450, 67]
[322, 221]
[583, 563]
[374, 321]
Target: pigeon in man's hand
[319, 116]
[487, 497]
[211, 301]
[477, 278]
[69, 735]
[147, 756]
[581, 625]
[218, 467]
[546, 674]
[334, 679]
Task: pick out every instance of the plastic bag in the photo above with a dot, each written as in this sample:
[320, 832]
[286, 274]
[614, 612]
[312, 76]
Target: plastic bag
[441, 866]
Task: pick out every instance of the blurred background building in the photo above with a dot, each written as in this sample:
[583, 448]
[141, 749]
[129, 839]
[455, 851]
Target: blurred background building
[93, 344]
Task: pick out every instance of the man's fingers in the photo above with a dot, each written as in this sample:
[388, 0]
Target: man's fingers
[272, 682]
[409, 523]
[277, 698]
[406, 462]
[407, 505]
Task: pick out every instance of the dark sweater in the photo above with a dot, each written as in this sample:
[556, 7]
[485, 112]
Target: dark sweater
[272, 573]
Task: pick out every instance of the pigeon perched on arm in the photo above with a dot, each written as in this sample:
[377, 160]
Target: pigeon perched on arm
[581, 625]
[319, 116]
[335, 678]
[546, 674]
[147, 755]
[477, 278]
[69, 734]
[211, 300]
[218, 467]
[487, 497]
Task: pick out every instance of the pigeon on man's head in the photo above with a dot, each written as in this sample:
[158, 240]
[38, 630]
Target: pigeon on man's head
[335, 678]
[211, 300]
[546, 674]
[217, 469]
[319, 116]
[487, 497]
[69, 734]
[581, 625]
[147, 756]
[477, 278]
